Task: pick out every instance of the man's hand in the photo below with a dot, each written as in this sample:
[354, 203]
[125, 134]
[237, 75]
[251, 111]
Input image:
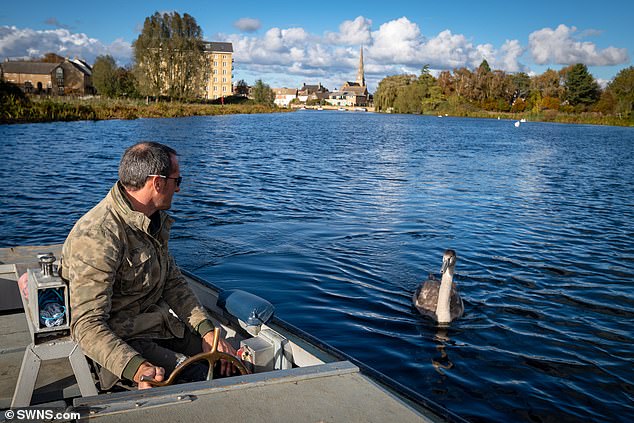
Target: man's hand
[148, 370]
[226, 368]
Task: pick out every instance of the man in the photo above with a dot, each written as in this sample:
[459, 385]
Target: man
[123, 281]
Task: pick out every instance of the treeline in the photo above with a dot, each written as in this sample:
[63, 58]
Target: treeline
[170, 62]
[572, 90]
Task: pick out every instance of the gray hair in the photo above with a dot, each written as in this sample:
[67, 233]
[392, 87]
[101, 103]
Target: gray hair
[144, 159]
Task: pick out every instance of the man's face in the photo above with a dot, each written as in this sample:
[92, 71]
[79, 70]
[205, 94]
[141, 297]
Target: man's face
[170, 186]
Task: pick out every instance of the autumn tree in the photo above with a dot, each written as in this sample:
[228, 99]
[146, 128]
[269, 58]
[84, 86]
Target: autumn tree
[622, 88]
[548, 84]
[170, 56]
[51, 58]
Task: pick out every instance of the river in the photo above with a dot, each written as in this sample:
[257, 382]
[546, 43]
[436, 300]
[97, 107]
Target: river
[336, 217]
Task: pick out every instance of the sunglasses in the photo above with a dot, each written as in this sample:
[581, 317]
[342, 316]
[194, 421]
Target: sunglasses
[178, 179]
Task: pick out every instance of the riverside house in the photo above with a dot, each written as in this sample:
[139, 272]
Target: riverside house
[284, 96]
[70, 77]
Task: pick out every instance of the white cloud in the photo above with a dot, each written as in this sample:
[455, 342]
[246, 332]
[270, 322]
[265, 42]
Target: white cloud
[29, 43]
[558, 46]
[354, 32]
[247, 24]
[511, 51]
[397, 41]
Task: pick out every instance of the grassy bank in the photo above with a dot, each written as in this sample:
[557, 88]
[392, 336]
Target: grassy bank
[21, 110]
[588, 118]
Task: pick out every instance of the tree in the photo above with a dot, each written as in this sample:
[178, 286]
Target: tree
[242, 88]
[622, 87]
[389, 89]
[126, 83]
[484, 67]
[51, 58]
[581, 88]
[548, 84]
[104, 75]
[521, 84]
[263, 94]
[170, 57]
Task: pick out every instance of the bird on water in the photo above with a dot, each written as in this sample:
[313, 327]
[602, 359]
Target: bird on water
[440, 300]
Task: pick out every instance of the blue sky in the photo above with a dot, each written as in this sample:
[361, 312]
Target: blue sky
[287, 44]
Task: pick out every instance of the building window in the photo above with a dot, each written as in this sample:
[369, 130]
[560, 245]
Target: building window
[215, 88]
[59, 75]
[224, 89]
[216, 71]
[215, 79]
[224, 71]
[215, 63]
[224, 79]
[224, 64]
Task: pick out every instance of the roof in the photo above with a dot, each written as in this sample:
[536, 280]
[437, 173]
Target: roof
[309, 89]
[358, 90]
[82, 66]
[285, 91]
[219, 47]
[33, 68]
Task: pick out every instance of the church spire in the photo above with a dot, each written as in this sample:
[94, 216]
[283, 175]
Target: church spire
[360, 74]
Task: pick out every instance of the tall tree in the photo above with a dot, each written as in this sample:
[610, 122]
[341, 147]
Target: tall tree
[622, 87]
[581, 88]
[262, 93]
[170, 57]
[104, 76]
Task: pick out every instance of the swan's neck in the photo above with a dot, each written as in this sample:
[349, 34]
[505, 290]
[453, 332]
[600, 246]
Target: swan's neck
[444, 297]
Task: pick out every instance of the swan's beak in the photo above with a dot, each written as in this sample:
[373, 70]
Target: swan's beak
[445, 264]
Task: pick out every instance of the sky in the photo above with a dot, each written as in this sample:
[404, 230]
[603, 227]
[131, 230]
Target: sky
[287, 44]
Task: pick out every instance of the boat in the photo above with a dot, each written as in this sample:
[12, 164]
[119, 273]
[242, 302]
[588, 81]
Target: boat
[290, 375]
[360, 109]
[342, 109]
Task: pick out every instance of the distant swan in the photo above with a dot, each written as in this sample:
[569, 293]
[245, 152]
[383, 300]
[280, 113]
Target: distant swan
[440, 301]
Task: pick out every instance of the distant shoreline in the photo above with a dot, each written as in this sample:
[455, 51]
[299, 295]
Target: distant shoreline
[66, 110]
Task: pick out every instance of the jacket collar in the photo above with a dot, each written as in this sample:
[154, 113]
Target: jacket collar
[135, 218]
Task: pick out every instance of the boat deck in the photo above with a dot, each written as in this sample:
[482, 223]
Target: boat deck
[320, 390]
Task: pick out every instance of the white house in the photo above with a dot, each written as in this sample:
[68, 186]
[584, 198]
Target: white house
[284, 96]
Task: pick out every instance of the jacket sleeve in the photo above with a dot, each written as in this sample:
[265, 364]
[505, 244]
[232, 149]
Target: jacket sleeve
[90, 263]
[182, 299]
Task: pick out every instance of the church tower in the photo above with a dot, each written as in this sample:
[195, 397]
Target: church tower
[360, 74]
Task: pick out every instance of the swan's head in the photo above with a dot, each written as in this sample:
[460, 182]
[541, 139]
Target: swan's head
[448, 260]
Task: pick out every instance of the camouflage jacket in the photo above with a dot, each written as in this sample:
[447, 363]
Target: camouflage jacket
[123, 282]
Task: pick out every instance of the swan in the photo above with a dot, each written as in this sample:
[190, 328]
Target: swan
[440, 301]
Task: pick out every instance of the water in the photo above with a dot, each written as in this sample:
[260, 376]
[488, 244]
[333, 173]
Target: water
[336, 217]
